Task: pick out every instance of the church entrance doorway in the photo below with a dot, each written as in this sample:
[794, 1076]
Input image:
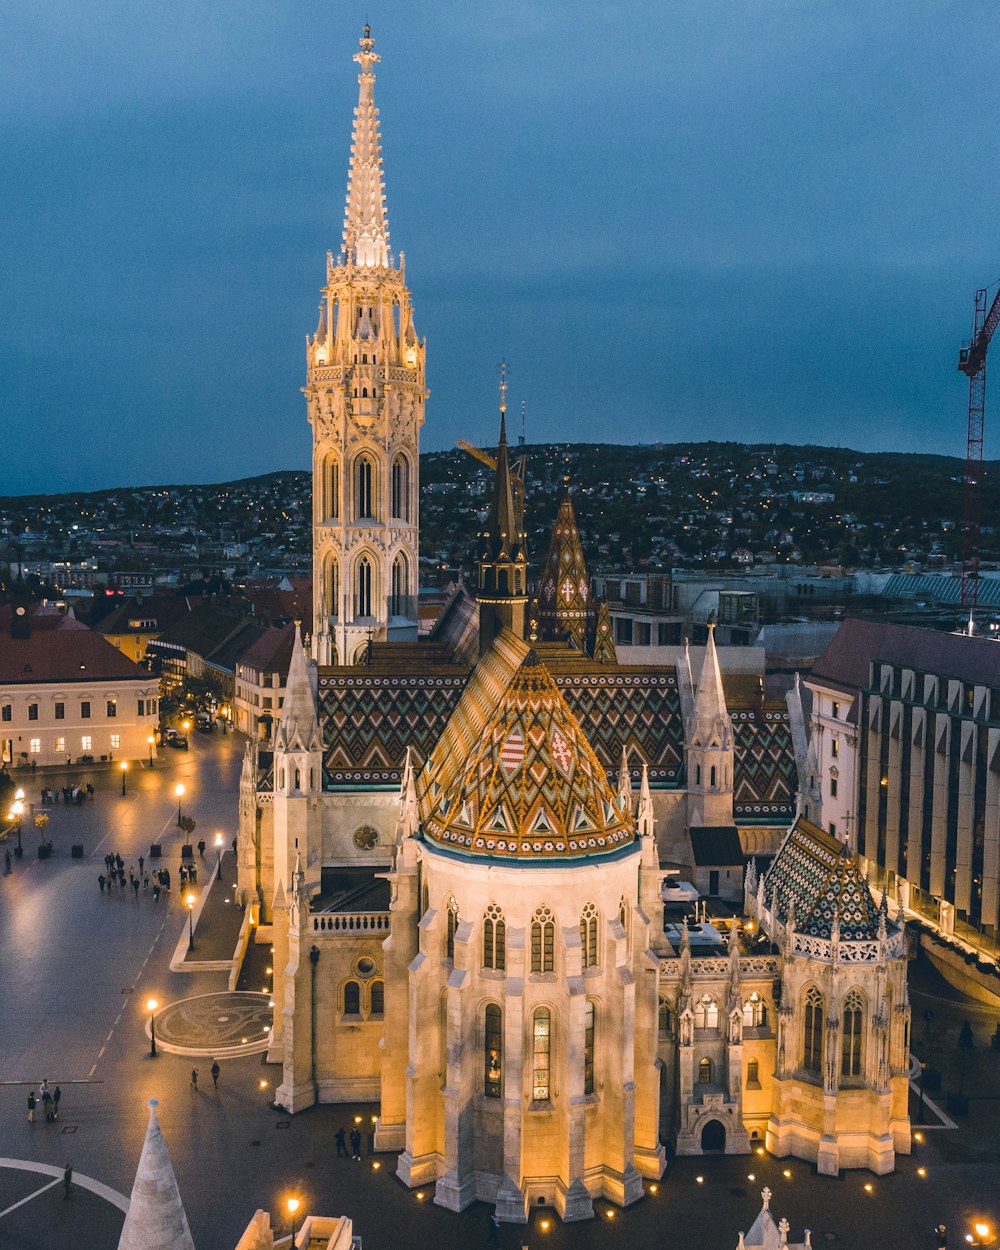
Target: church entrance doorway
[713, 1138]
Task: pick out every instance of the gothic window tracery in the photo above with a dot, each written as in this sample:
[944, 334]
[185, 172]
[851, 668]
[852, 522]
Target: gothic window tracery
[543, 941]
[352, 998]
[494, 938]
[397, 604]
[812, 1036]
[755, 1012]
[377, 998]
[333, 488]
[665, 1018]
[705, 1072]
[364, 488]
[363, 588]
[589, 1045]
[333, 585]
[588, 936]
[451, 927]
[401, 489]
[541, 1050]
[706, 1013]
[852, 1046]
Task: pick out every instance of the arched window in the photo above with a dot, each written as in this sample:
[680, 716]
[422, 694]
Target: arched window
[589, 1030]
[588, 936]
[364, 489]
[705, 1072]
[812, 1047]
[697, 774]
[753, 1073]
[541, 1049]
[712, 782]
[623, 913]
[352, 999]
[400, 489]
[494, 938]
[852, 1049]
[333, 585]
[298, 779]
[397, 602]
[333, 487]
[706, 1013]
[543, 941]
[363, 588]
[378, 998]
[666, 1018]
[452, 925]
[755, 1012]
[493, 1051]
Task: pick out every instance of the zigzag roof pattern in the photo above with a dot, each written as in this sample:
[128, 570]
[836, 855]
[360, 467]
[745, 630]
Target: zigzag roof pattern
[564, 605]
[532, 787]
[820, 877]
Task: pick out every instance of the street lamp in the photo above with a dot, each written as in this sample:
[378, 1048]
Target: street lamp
[16, 814]
[190, 900]
[293, 1206]
[124, 767]
[151, 742]
[218, 854]
[179, 791]
[187, 726]
[151, 1007]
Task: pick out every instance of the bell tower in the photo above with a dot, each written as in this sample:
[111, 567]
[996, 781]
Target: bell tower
[365, 397]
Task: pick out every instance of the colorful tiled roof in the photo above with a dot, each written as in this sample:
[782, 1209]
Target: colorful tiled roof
[764, 774]
[820, 876]
[564, 591]
[532, 787]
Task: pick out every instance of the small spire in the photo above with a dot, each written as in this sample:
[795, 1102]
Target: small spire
[644, 817]
[298, 726]
[883, 917]
[409, 812]
[155, 1213]
[625, 781]
[711, 716]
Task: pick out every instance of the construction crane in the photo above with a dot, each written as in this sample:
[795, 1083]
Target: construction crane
[972, 362]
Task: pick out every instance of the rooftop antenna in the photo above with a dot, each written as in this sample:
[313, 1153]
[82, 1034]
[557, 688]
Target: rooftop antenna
[520, 441]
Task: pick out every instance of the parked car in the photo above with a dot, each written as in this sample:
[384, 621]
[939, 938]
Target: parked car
[174, 738]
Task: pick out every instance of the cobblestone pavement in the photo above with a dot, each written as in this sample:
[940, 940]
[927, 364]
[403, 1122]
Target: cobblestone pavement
[76, 969]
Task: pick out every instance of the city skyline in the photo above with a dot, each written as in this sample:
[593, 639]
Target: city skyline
[762, 226]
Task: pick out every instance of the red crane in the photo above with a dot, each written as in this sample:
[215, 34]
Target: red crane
[972, 362]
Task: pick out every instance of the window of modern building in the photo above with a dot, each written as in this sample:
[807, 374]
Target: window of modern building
[86, 743]
[588, 936]
[812, 1048]
[493, 1051]
[60, 711]
[494, 938]
[141, 709]
[116, 742]
[588, 1047]
[60, 745]
[451, 923]
[541, 1046]
[6, 711]
[352, 999]
[543, 940]
[34, 746]
[853, 1022]
[85, 710]
[32, 711]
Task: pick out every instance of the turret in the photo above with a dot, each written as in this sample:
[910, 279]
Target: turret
[710, 747]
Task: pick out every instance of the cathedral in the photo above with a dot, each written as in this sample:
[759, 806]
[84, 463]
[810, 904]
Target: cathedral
[557, 915]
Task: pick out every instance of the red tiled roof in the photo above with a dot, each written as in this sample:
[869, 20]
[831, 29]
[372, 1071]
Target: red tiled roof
[63, 655]
[272, 652]
[857, 644]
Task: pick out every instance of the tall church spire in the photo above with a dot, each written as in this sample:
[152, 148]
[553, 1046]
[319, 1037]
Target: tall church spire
[712, 725]
[366, 224]
[564, 606]
[365, 394]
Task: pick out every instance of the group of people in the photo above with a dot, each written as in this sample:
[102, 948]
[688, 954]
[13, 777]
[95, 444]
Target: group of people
[70, 794]
[115, 874]
[49, 1098]
[341, 1139]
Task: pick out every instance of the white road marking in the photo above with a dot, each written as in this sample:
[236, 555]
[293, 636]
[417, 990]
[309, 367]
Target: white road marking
[29, 1198]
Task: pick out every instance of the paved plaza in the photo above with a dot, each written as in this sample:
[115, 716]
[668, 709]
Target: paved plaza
[77, 968]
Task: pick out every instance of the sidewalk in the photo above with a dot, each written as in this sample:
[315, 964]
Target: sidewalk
[217, 919]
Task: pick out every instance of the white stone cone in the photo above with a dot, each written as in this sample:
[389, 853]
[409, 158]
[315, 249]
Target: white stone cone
[156, 1219]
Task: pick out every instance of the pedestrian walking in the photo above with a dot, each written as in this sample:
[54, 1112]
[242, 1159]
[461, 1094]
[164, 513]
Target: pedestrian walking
[194, 1078]
[941, 1233]
[47, 1107]
[90, 791]
[121, 881]
[494, 1238]
[341, 1140]
[135, 887]
[101, 882]
[355, 1143]
[183, 876]
[43, 1089]
[166, 879]
[156, 891]
[67, 1179]
[215, 1073]
[56, 1095]
[6, 862]
[201, 847]
[131, 874]
[32, 1104]
[145, 882]
[142, 861]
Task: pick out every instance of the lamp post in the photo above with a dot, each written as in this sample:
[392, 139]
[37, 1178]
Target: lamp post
[293, 1206]
[151, 1007]
[190, 900]
[218, 854]
[124, 767]
[16, 814]
[151, 742]
[179, 791]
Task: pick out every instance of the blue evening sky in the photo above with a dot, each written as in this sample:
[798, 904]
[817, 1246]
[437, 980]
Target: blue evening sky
[760, 220]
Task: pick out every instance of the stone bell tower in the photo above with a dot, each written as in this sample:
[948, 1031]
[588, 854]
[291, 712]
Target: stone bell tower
[365, 395]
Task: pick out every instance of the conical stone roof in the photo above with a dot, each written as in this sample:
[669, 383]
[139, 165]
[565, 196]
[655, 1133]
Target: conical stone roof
[532, 788]
[156, 1219]
[564, 592]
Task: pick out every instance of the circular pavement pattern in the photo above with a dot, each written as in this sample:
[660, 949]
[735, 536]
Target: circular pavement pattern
[228, 1024]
